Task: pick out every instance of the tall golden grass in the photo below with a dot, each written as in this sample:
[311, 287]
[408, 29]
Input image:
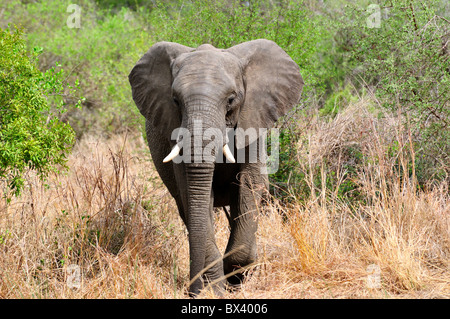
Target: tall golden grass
[112, 218]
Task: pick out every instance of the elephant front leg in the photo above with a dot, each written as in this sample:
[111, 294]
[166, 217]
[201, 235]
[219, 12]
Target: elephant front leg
[241, 248]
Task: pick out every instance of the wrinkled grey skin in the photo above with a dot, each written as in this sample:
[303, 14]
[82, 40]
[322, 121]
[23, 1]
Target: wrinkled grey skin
[248, 85]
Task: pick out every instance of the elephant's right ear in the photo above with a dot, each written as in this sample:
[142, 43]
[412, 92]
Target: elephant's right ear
[151, 82]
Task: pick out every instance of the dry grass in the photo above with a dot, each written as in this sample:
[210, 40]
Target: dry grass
[111, 216]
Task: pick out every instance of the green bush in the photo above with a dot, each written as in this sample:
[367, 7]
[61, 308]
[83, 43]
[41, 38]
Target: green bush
[226, 23]
[405, 61]
[108, 43]
[100, 54]
[338, 100]
[31, 133]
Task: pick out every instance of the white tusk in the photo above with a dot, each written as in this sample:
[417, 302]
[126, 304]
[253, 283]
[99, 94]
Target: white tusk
[228, 154]
[174, 153]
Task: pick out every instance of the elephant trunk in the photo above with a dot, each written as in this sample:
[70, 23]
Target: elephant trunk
[199, 181]
[199, 175]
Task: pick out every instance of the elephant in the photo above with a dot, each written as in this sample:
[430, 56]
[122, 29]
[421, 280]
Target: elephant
[179, 88]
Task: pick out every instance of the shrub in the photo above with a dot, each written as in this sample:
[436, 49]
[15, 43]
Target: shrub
[226, 23]
[331, 152]
[31, 133]
[337, 101]
[405, 61]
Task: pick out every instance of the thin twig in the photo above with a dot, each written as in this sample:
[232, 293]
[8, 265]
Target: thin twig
[413, 15]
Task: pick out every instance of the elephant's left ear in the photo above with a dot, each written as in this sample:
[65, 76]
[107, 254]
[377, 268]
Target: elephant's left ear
[273, 85]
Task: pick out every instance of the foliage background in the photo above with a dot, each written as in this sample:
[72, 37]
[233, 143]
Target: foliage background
[404, 62]
[364, 162]
[31, 135]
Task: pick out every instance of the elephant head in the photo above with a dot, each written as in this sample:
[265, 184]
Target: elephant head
[246, 86]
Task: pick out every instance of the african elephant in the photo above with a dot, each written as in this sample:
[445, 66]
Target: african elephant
[246, 86]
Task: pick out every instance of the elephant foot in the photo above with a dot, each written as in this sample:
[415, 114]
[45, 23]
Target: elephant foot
[217, 286]
[236, 277]
[236, 272]
[236, 280]
[212, 279]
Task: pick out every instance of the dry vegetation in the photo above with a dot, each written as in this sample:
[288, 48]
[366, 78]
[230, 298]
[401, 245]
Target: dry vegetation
[111, 216]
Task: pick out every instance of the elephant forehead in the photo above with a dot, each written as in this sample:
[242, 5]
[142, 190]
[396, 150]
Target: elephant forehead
[206, 60]
[201, 84]
[206, 47]
[206, 72]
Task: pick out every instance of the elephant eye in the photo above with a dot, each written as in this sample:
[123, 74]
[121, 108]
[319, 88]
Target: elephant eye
[231, 99]
[175, 100]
